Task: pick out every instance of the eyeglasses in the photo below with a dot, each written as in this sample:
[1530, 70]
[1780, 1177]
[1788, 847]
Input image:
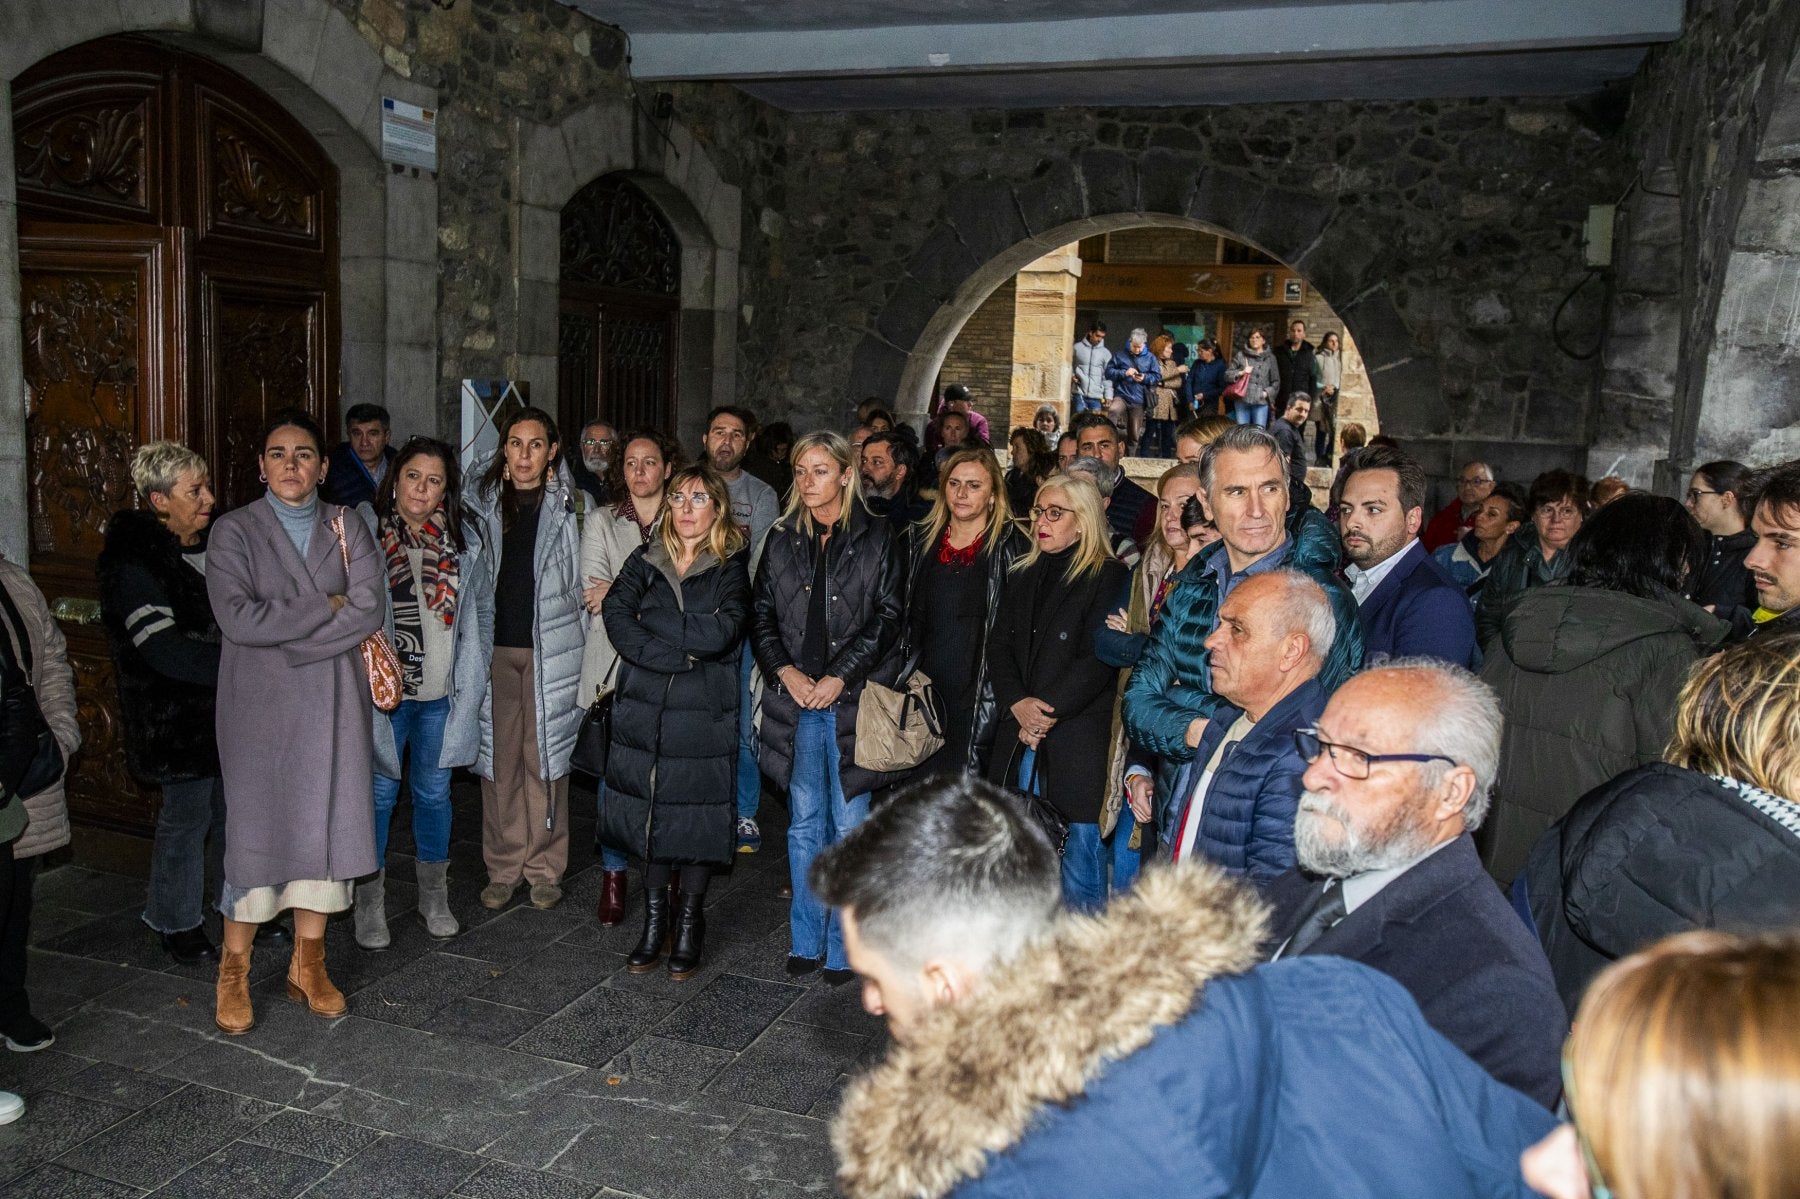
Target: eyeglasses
[1351, 762]
[696, 501]
[1049, 515]
[1474, 482]
[586, 441]
[1694, 494]
[1597, 1188]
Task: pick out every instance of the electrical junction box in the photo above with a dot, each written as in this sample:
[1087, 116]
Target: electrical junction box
[1598, 237]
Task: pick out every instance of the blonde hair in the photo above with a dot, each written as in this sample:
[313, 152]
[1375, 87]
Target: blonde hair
[839, 449]
[726, 538]
[157, 466]
[1739, 715]
[1093, 548]
[1159, 540]
[1684, 1069]
[998, 517]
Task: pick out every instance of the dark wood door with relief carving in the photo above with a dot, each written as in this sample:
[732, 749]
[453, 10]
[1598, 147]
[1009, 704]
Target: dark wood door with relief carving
[178, 248]
[620, 304]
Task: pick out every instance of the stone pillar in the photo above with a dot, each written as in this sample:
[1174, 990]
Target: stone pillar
[1043, 337]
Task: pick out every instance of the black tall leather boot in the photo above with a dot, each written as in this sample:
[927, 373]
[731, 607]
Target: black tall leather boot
[649, 952]
[690, 931]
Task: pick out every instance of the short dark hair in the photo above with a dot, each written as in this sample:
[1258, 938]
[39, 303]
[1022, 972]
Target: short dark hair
[1777, 486]
[672, 455]
[1383, 457]
[1066, 435]
[362, 414]
[902, 449]
[421, 447]
[1096, 326]
[743, 414]
[1727, 475]
[298, 418]
[1093, 420]
[1514, 495]
[1556, 485]
[1641, 544]
[951, 847]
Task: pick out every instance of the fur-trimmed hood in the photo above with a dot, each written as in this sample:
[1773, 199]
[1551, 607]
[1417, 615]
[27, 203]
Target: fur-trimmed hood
[970, 1077]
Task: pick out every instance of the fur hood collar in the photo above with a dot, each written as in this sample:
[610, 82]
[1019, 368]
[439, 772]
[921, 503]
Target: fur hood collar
[971, 1077]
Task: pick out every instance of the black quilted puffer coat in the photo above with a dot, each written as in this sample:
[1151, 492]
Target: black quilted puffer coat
[863, 567]
[671, 769]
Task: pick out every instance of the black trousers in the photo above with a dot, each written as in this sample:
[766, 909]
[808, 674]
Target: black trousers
[693, 878]
[15, 930]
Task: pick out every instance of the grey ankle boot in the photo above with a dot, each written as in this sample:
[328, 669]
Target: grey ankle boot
[434, 899]
[371, 912]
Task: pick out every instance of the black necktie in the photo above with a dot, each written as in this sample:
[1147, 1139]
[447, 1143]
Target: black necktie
[1327, 909]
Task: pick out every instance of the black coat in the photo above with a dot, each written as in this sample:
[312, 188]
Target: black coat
[998, 559]
[1445, 932]
[1042, 646]
[862, 616]
[671, 769]
[1657, 851]
[1724, 582]
[165, 648]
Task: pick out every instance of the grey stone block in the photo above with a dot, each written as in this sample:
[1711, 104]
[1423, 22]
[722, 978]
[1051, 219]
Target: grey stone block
[362, 295]
[494, 1023]
[1168, 178]
[1051, 199]
[789, 1068]
[540, 246]
[1288, 223]
[497, 1180]
[908, 310]
[942, 262]
[730, 1013]
[291, 33]
[35, 29]
[314, 1136]
[347, 71]
[58, 1182]
[545, 176]
[875, 368]
[596, 1028]
[245, 1171]
[641, 1147]
[678, 1064]
[1760, 306]
[103, 1082]
[410, 216]
[550, 980]
[396, 1168]
[986, 217]
[156, 1144]
[28, 1074]
[771, 1155]
[89, 890]
[1382, 336]
[1225, 199]
[414, 993]
[1110, 181]
[1410, 399]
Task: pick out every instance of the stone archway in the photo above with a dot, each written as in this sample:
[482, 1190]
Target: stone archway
[555, 162]
[992, 231]
[310, 58]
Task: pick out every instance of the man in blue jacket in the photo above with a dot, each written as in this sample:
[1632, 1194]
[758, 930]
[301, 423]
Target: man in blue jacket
[1138, 1052]
[1132, 372]
[1411, 607]
[1234, 804]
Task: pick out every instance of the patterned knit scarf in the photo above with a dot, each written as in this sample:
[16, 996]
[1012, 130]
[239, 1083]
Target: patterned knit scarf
[437, 579]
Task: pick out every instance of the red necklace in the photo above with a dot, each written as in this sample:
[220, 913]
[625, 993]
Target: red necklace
[949, 555]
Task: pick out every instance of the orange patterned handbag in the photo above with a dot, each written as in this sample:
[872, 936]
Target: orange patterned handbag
[380, 662]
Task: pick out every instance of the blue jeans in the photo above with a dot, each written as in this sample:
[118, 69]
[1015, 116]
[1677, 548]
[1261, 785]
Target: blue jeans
[1250, 414]
[1087, 404]
[1087, 856]
[819, 815]
[749, 774]
[1159, 439]
[420, 725]
[610, 858]
[190, 834]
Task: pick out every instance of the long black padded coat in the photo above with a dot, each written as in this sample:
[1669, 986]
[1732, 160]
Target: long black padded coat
[863, 567]
[671, 770]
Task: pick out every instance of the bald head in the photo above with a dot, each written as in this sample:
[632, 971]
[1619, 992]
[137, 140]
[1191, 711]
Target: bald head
[1273, 633]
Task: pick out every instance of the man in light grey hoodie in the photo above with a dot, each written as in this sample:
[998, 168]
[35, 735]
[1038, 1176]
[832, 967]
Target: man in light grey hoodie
[1092, 388]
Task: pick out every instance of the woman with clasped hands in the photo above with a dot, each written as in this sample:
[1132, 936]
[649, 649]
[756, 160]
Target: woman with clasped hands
[294, 714]
[827, 617]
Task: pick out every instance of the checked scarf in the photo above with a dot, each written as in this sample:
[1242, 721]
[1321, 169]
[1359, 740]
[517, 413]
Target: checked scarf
[436, 581]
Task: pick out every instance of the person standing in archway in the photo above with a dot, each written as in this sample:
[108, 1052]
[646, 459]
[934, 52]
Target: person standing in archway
[1093, 389]
[1133, 372]
[1296, 363]
[1265, 380]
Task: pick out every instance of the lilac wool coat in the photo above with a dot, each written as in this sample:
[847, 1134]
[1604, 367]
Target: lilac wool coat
[294, 711]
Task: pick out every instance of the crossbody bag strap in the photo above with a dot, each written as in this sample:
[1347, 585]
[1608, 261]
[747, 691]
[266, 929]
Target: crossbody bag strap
[20, 634]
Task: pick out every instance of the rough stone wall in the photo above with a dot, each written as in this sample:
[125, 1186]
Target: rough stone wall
[1466, 214]
[1703, 129]
[492, 62]
[982, 359]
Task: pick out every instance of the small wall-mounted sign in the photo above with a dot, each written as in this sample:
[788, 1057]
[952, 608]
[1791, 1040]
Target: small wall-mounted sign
[1293, 291]
[408, 134]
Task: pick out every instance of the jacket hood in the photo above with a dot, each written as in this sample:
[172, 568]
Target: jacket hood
[1557, 629]
[130, 532]
[970, 1078]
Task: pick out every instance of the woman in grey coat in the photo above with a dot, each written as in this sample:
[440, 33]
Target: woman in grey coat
[293, 713]
[531, 622]
[1265, 380]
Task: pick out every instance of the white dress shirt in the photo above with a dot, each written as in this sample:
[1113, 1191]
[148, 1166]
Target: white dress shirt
[1364, 582]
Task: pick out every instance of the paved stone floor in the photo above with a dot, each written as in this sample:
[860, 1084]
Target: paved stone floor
[516, 1060]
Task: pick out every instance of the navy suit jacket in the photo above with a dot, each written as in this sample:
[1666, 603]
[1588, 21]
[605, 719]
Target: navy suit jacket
[1445, 932]
[1419, 610]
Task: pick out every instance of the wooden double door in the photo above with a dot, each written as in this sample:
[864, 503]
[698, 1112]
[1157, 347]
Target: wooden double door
[178, 259]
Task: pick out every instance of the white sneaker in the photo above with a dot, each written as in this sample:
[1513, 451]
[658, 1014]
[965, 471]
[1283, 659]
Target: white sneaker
[11, 1107]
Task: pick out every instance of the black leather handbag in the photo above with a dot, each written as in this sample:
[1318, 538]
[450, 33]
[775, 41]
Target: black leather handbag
[1042, 812]
[594, 736]
[47, 765]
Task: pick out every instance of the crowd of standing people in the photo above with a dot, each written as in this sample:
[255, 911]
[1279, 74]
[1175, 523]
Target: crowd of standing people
[1382, 795]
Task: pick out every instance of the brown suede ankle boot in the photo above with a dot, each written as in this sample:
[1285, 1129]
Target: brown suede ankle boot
[231, 1011]
[309, 984]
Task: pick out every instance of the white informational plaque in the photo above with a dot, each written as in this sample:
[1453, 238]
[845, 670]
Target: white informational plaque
[408, 134]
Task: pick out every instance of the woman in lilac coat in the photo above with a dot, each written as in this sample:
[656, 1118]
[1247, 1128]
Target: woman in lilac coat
[294, 713]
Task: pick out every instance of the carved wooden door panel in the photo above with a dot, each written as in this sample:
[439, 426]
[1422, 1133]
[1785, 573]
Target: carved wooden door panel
[178, 280]
[620, 302]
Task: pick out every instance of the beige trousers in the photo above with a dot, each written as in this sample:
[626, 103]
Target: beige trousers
[514, 802]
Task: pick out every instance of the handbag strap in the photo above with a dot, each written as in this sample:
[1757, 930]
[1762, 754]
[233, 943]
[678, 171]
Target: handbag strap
[21, 635]
[343, 542]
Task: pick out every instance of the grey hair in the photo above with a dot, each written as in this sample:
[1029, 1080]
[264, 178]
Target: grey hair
[1140, 335]
[1461, 719]
[1305, 608]
[1239, 439]
[1104, 476]
[158, 464]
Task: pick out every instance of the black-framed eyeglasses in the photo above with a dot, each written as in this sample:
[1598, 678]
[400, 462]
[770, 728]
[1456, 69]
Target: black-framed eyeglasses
[1694, 494]
[1049, 515]
[1351, 762]
[598, 441]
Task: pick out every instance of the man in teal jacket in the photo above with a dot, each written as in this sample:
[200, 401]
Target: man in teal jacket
[1243, 487]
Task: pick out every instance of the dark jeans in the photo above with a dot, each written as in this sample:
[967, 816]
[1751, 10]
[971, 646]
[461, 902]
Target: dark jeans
[1324, 414]
[15, 930]
[190, 836]
[1159, 439]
